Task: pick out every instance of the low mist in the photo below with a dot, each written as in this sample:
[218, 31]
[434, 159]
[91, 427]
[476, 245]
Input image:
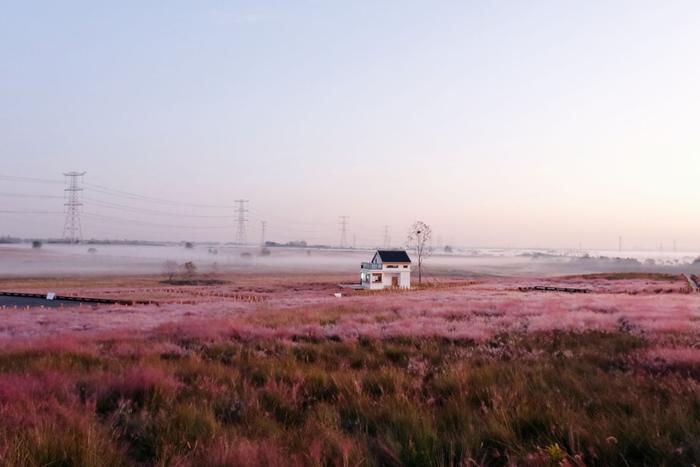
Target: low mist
[21, 260]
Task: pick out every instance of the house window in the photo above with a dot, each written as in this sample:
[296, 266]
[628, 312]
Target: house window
[376, 278]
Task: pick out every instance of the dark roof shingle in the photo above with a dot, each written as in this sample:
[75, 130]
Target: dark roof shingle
[394, 256]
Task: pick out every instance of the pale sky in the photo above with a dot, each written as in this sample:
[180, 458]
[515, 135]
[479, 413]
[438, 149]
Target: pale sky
[522, 124]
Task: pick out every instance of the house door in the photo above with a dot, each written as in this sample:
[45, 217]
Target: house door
[394, 281]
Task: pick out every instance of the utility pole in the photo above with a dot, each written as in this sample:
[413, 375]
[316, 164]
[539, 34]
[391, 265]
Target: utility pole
[241, 221]
[674, 246]
[343, 231]
[263, 224]
[72, 229]
[354, 241]
[619, 243]
[387, 239]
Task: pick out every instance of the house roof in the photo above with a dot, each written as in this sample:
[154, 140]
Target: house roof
[394, 256]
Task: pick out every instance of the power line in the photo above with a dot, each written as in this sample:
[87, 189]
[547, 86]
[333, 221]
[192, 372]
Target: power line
[135, 203]
[140, 202]
[241, 221]
[72, 230]
[122, 207]
[30, 212]
[111, 192]
[15, 178]
[254, 213]
[100, 217]
[343, 231]
[22, 195]
[149, 199]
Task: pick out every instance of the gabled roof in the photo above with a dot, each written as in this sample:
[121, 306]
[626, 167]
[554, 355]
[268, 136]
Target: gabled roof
[394, 256]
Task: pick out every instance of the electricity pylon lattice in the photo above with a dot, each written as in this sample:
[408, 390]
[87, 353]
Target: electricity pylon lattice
[72, 229]
[343, 231]
[241, 221]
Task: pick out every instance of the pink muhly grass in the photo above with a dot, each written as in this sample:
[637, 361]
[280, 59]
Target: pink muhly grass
[143, 378]
[141, 385]
[681, 355]
[475, 311]
[17, 388]
[247, 453]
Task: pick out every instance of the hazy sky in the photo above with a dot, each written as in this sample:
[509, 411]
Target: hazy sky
[538, 123]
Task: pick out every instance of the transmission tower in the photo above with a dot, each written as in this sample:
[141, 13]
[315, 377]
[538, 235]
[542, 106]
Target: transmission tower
[343, 231]
[241, 221]
[387, 238]
[72, 230]
[263, 224]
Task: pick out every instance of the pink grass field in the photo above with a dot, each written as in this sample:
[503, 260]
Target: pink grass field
[292, 307]
[279, 371]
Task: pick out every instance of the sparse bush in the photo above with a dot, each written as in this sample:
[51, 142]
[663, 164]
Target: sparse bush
[36, 244]
[189, 269]
[188, 274]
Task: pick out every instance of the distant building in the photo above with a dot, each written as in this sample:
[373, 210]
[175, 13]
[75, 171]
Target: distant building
[388, 268]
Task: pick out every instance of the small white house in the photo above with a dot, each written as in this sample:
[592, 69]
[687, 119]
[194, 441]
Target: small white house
[388, 268]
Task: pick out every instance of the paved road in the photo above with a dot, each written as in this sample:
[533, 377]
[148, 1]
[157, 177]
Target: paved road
[35, 301]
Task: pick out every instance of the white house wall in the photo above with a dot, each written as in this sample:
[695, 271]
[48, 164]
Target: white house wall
[405, 279]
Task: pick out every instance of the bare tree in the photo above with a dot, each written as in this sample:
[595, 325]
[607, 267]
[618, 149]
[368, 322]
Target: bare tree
[419, 239]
